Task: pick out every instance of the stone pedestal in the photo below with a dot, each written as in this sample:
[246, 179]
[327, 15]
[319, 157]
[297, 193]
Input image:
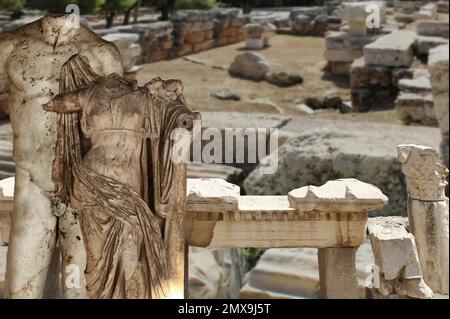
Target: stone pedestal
[337, 272]
[428, 211]
[257, 36]
[337, 264]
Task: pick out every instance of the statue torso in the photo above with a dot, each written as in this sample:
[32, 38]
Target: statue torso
[33, 72]
[116, 124]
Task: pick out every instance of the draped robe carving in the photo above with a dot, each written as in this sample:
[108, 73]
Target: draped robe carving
[127, 192]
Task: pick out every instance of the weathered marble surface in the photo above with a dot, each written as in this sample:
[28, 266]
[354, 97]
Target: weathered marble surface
[426, 180]
[397, 258]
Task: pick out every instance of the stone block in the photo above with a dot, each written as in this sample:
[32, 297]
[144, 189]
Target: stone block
[372, 98]
[345, 41]
[414, 108]
[194, 37]
[420, 85]
[362, 75]
[339, 68]
[396, 256]
[342, 195]
[211, 194]
[311, 12]
[249, 65]
[424, 44]
[432, 28]
[199, 47]
[338, 273]
[356, 11]
[393, 50]
[342, 55]
[427, 12]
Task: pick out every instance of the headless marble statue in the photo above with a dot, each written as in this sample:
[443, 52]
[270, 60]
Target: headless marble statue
[31, 58]
[125, 186]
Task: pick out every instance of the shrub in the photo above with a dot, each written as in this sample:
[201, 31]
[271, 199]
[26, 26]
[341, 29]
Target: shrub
[252, 256]
[196, 4]
[11, 4]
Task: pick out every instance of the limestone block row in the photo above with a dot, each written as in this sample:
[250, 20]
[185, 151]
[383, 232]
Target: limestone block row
[156, 40]
[189, 31]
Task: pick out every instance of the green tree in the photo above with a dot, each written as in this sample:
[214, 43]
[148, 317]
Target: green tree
[11, 4]
[114, 7]
[195, 4]
[90, 6]
[167, 7]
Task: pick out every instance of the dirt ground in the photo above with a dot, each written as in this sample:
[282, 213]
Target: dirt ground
[302, 54]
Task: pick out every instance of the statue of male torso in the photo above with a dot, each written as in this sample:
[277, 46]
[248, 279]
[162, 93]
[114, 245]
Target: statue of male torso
[30, 61]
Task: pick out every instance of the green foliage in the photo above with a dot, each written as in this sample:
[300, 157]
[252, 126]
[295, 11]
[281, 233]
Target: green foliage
[90, 6]
[195, 4]
[273, 3]
[118, 5]
[252, 256]
[53, 6]
[11, 4]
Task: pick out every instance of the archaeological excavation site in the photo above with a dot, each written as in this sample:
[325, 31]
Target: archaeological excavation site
[224, 149]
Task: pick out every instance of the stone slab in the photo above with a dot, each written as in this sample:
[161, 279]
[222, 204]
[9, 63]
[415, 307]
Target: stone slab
[393, 50]
[432, 28]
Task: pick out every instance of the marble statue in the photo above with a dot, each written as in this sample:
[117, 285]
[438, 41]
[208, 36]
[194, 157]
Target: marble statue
[124, 186]
[31, 58]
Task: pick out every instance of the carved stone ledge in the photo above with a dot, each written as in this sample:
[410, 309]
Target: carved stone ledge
[222, 218]
[342, 195]
[211, 195]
